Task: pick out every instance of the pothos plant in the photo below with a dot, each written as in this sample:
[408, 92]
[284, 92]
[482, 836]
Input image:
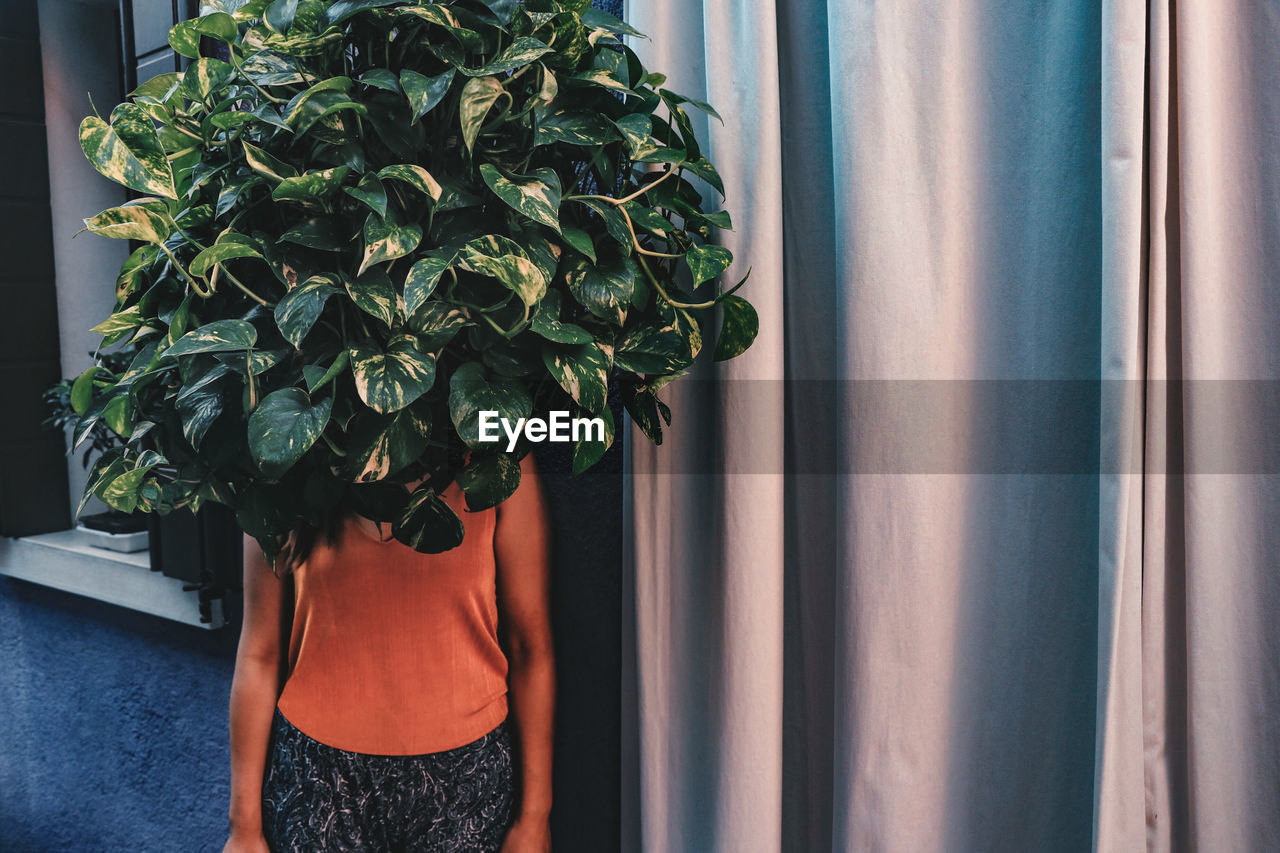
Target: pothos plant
[369, 221]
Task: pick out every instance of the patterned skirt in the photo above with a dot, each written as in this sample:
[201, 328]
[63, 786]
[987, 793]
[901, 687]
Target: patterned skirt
[319, 798]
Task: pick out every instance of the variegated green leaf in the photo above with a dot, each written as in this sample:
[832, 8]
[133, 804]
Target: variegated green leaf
[131, 222]
[374, 294]
[283, 428]
[310, 187]
[488, 480]
[471, 391]
[388, 380]
[127, 151]
[521, 52]
[218, 336]
[423, 277]
[267, 165]
[582, 371]
[575, 127]
[436, 323]
[478, 97]
[591, 446]
[546, 323]
[201, 403]
[380, 446]
[385, 240]
[415, 176]
[707, 261]
[299, 309]
[206, 76]
[502, 259]
[658, 348]
[424, 93]
[219, 253]
[605, 289]
[428, 524]
[536, 196]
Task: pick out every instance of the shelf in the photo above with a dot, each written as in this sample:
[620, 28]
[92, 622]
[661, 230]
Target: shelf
[61, 561]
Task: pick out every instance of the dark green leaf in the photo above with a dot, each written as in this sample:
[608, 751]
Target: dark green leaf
[582, 371]
[471, 392]
[298, 311]
[218, 336]
[738, 329]
[388, 380]
[283, 427]
[521, 52]
[373, 293]
[423, 92]
[370, 193]
[385, 240]
[423, 277]
[487, 481]
[428, 524]
[591, 447]
[604, 290]
[536, 196]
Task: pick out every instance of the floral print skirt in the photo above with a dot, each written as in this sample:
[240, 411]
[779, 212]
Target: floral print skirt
[319, 798]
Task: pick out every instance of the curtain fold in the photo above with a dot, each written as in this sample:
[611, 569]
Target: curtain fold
[987, 558]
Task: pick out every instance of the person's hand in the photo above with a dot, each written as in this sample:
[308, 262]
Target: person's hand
[246, 842]
[528, 836]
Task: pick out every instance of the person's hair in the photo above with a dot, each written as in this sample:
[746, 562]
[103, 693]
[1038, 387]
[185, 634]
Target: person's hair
[297, 546]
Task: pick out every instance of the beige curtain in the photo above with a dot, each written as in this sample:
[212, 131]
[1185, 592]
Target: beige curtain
[978, 549]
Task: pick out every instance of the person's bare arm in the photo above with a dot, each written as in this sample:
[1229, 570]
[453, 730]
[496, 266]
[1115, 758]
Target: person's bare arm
[522, 547]
[254, 690]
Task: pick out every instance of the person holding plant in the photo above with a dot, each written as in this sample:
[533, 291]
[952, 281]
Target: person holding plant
[391, 731]
[359, 225]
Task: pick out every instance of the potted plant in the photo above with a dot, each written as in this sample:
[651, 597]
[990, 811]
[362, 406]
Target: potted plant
[112, 529]
[370, 222]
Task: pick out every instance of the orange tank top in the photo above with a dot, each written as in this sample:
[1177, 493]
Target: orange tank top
[394, 652]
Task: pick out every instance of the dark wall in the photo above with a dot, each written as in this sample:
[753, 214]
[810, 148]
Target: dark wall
[29, 355]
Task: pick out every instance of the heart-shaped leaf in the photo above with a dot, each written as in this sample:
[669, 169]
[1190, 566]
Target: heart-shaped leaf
[604, 290]
[428, 524]
[385, 240]
[283, 427]
[582, 371]
[478, 97]
[536, 196]
[739, 328]
[388, 380]
[374, 294]
[127, 151]
[423, 92]
[471, 391]
[591, 447]
[546, 323]
[218, 336]
[298, 311]
[488, 480]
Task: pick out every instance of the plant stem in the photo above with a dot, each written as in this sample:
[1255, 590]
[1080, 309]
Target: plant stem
[255, 297]
[201, 292]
